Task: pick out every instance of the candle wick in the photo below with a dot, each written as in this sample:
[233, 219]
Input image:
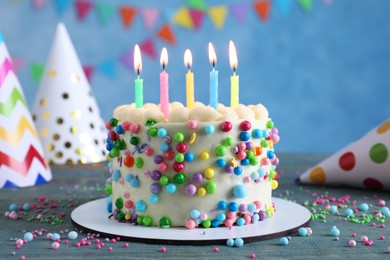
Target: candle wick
[188, 67]
[163, 65]
[234, 70]
[213, 64]
[138, 72]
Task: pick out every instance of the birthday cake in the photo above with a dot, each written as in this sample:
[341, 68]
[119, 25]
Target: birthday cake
[200, 167]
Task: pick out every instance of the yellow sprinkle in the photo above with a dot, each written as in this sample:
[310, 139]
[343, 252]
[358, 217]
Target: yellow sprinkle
[209, 173]
[271, 209]
[271, 144]
[192, 138]
[233, 162]
[201, 192]
[127, 216]
[274, 184]
[204, 155]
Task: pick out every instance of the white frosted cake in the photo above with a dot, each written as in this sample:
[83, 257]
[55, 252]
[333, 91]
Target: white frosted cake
[200, 167]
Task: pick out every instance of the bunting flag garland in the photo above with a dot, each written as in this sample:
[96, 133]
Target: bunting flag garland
[88, 71]
[22, 162]
[148, 48]
[182, 17]
[104, 12]
[107, 67]
[127, 60]
[165, 33]
[149, 17]
[197, 17]
[305, 4]
[36, 72]
[239, 12]
[62, 5]
[284, 6]
[218, 15]
[127, 15]
[83, 7]
[262, 9]
[38, 3]
[328, 2]
[197, 4]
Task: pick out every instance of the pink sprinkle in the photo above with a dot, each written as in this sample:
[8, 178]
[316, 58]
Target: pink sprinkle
[109, 248]
[354, 235]
[97, 241]
[48, 236]
[118, 239]
[22, 257]
[381, 237]
[78, 244]
[126, 245]
[253, 255]
[388, 249]
[382, 203]
[89, 243]
[369, 243]
[373, 224]
[352, 243]
[216, 249]
[98, 247]
[55, 245]
[163, 249]
[364, 239]
[66, 242]
[382, 226]
[113, 240]
[17, 246]
[102, 244]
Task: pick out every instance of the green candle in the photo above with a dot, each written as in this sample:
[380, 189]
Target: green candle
[139, 83]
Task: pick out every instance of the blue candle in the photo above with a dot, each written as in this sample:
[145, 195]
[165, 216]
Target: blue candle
[213, 79]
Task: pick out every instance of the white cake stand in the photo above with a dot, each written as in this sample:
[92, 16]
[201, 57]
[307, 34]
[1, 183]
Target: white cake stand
[288, 218]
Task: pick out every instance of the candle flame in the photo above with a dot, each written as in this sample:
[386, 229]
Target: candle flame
[212, 56]
[164, 57]
[188, 58]
[137, 59]
[232, 56]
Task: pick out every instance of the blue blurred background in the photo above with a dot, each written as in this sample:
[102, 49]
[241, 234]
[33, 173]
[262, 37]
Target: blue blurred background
[323, 73]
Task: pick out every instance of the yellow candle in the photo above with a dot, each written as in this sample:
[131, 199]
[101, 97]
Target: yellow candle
[234, 80]
[189, 80]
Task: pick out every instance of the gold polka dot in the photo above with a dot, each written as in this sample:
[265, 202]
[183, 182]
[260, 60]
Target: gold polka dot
[44, 132]
[50, 147]
[383, 128]
[52, 73]
[82, 160]
[43, 102]
[60, 120]
[76, 114]
[85, 138]
[317, 175]
[56, 137]
[65, 95]
[77, 150]
[69, 161]
[46, 115]
[67, 144]
[59, 154]
[73, 129]
[75, 78]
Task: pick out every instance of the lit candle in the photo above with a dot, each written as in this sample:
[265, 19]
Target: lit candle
[213, 79]
[164, 87]
[189, 79]
[139, 87]
[234, 80]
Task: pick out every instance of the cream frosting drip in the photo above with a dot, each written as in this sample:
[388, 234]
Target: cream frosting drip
[200, 112]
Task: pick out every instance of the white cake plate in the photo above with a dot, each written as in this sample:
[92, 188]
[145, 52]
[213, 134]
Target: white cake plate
[288, 218]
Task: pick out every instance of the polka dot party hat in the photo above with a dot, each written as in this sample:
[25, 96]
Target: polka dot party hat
[22, 162]
[65, 110]
[363, 164]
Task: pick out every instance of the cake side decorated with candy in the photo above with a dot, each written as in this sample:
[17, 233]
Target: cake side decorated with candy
[196, 167]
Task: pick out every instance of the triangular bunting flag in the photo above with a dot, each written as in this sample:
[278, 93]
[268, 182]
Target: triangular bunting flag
[127, 15]
[262, 9]
[38, 3]
[1, 38]
[197, 17]
[62, 5]
[239, 12]
[104, 12]
[108, 68]
[127, 60]
[328, 2]
[149, 16]
[36, 72]
[305, 4]
[284, 6]
[165, 33]
[182, 17]
[197, 4]
[88, 71]
[218, 15]
[148, 48]
[18, 63]
[83, 7]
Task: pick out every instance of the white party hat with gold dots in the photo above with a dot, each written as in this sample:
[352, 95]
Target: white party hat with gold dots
[65, 110]
[22, 161]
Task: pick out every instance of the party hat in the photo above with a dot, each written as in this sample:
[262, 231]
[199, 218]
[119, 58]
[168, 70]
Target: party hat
[22, 162]
[364, 163]
[65, 110]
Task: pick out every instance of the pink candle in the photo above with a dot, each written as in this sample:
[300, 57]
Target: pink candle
[164, 86]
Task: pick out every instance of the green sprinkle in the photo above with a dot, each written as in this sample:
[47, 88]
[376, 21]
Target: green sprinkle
[139, 162]
[113, 122]
[179, 157]
[179, 137]
[220, 150]
[150, 122]
[152, 132]
[134, 140]
[229, 141]
[270, 124]
[211, 187]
